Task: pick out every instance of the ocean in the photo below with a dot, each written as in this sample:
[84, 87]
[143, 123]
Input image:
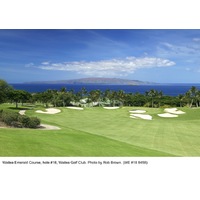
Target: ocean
[167, 89]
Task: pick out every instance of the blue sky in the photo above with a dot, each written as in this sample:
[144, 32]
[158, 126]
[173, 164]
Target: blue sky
[163, 56]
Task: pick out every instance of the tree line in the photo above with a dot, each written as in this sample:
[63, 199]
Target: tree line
[64, 97]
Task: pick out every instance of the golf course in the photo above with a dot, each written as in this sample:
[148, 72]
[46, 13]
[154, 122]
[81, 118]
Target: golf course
[101, 132]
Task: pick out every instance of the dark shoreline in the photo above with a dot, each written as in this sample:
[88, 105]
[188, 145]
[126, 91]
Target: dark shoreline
[167, 89]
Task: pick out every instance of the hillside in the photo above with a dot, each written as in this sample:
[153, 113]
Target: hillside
[100, 81]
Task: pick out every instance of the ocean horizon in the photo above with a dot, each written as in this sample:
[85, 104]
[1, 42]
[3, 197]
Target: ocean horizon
[168, 89]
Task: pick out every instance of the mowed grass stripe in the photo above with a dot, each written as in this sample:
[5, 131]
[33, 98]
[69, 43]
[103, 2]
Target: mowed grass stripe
[167, 135]
[65, 143]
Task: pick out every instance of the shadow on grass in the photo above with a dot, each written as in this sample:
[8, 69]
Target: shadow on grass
[20, 108]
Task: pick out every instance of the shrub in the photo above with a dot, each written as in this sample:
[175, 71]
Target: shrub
[1, 111]
[34, 122]
[17, 124]
[24, 120]
[19, 121]
[8, 117]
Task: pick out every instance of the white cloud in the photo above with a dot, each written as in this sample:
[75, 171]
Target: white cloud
[183, 50]
[188, 69]
[29, 65]
[111, 68]
[45, 63]
[196, 39]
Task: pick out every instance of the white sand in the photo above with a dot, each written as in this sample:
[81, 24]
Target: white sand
[48, 127]
[137, 111]
[110, 108]
[167, 115]
[174, 111]
[75, 108]
[49, 111]
[132, 117]
[142, 116]
[22, 112]
[44, 127]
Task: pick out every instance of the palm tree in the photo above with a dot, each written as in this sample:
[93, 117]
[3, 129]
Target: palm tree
[62, 95]
[152, 94]
[113, 98]
[63, 89]
[83, 92]
[95, 95]
[159, 95]
[181, 98]
[107, 95]
[121, 96]
[55, 98]
[192, 95]
[198, 99]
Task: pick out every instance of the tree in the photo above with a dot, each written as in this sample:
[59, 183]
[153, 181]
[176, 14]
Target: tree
[65, 98]
[152, 94]
[46, 97]
[192, 96]
[113, 97]
[121, 96]
[62, 95]
[138, 99]
[36, 97]
[25, 96]
[107, 96]
[159, 95]
[95, 95]
[198, 98]
[181, 98]
[5, 89]
[83, 92]
[19, 96]
[54, 98]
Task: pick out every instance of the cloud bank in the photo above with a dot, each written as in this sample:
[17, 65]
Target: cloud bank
[112, 67]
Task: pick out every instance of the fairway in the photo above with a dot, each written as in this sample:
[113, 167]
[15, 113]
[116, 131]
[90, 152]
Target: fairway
[101, 132]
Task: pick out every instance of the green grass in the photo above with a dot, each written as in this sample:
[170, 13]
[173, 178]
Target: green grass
[100, 132]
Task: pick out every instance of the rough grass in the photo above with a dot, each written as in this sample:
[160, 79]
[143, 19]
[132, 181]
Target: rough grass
[101, 132]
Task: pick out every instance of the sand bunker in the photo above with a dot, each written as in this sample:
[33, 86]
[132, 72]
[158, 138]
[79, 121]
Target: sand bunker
[174, 111]
[48, 127]
[44, 126]
[168, 115]
[22, 112]
[171, 112]
[110, 108]
[49, 111]
[75, 108]
[142, 116]
[137, 111]
[133, 117]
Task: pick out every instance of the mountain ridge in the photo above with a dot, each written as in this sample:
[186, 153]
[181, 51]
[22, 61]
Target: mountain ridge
[95, 80]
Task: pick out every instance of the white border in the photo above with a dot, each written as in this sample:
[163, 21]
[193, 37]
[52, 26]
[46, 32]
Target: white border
[162, 178]
[106, 14]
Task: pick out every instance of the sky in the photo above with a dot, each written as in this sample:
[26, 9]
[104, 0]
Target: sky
[162, 56]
